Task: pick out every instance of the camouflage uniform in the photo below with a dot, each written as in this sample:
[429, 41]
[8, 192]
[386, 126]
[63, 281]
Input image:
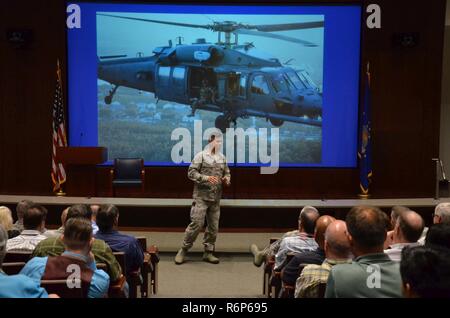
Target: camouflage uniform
[206, 197]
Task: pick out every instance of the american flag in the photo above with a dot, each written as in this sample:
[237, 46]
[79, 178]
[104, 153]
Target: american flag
[59, 133]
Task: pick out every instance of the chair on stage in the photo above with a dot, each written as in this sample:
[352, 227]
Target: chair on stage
[128, 173]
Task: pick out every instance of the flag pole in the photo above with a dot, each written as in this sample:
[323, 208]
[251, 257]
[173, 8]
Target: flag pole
[363, 151]
[56, 178]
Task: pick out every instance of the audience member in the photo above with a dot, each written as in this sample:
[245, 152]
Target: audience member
[107, 221]
[438, 236]
[372, 273]
[304, 241]
[21, 207]
[269, 251]
[94, 209]
[337, 251]
[317, 256]
[34, 223]
[425, 272]
[6, 221]
[407, 231]
[60, 230]
[78, 242]
[395, 213]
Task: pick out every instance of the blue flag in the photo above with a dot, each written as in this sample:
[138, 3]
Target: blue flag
[365, 142]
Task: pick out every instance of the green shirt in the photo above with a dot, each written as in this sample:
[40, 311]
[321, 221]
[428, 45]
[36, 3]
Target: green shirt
[371, 275]
[53, 246]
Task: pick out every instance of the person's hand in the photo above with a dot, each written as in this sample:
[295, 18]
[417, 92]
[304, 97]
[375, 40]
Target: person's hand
[226, 181]
[53, 296]
[213, 180]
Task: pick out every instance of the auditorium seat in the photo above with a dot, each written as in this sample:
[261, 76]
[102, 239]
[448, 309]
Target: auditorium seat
[149, 267]
[61, 288]
[268, 267]
[12, 268]
[19, 256]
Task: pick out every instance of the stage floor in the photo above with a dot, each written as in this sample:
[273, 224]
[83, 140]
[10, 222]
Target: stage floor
[241, 203]
[172, 215]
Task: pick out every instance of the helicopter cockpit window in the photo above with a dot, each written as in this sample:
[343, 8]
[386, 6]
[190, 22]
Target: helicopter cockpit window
[298, 83]
[260, 86]
[281, 83]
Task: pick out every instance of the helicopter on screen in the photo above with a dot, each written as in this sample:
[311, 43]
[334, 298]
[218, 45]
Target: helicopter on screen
[231, 79]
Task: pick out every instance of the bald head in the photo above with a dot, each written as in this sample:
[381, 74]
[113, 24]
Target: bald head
[337, 245]
[307, 219]
[409, 227]
[322, 224]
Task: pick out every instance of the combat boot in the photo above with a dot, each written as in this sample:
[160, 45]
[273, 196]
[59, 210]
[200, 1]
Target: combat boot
[258, 256]
[179, 258]
[210, 258]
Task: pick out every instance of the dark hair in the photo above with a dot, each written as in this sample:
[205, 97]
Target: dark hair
[308, 220]
[77, 233]
[79, 211]
[426, 270]
[34, 216]
[410, 231]
[367, 225]
[106, 216]
[21, 207]
[212, 138]
[438, 235]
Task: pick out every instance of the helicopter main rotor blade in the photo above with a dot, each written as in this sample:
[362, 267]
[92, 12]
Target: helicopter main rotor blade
[275, 36]
[158, 21]
[288, 26]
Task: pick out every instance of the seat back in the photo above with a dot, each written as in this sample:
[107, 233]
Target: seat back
[128, 168]
[322, 288]
[62, 288]
[12, 268]
[19, 256]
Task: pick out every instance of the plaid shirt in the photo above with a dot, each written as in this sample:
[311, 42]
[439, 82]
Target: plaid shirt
[307, 285]
[53, 246]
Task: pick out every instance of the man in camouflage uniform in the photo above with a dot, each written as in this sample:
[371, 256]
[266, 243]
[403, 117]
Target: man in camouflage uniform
[208, 170]
[206, 95]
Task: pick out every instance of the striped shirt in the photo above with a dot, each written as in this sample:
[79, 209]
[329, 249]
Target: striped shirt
[294, 244]
[26, 241]
[307, 285]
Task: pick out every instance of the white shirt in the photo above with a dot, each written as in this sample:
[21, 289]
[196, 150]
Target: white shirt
[26, 241]
[395, 250]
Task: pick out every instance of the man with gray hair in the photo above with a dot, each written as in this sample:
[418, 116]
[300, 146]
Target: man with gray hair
[442, 213]
[16, 286]
[260, 256]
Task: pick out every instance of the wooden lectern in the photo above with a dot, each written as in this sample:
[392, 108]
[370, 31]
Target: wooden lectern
[81, 169]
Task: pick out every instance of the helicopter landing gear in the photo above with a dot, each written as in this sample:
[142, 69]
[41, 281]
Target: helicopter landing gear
[276, 122]
[222, 123]
[108, 99]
